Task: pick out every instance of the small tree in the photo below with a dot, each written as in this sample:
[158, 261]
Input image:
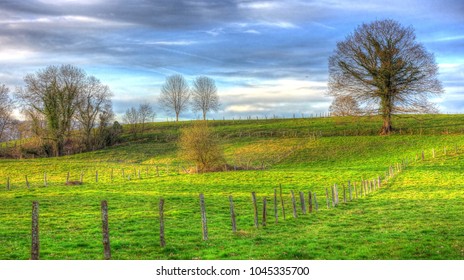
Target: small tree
[146, 114]
[204, 96]
[132, 118]
[175, 95]
[6, 107]
[198, 145]
[344, 106]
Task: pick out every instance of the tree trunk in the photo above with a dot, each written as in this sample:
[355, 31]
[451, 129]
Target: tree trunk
[177, 117]
[204, 116]
[386, 104]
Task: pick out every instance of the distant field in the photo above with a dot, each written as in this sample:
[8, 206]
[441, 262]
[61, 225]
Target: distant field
[417, 215]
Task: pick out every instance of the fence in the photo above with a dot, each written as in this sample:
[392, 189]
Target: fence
[309, 205]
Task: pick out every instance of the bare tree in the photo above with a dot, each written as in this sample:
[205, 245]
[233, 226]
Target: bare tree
[175, 94]
[381, 65]
[53, 92]
[93, 100]
[132, 118]
[344, 105]
[204, 96]
[6, 107]
[146, 114]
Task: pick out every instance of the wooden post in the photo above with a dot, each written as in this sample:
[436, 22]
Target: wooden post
[423, 156]
[35, 248]
[344, 194]
[157, 171]
[45, 179]
[67, 178]
[255, 209]
[232, 214]
[111, 175]
[295, 215]
[327, 197]
[105, 230]
[350, 191]
[161, 217]
[333, 196]
[302, 202]
[264, 211]
[82, 177]
[444, 150]
[8, 183]
[27, 182]
[379, 183]
[282, 202]
[276, 212]
[310, 203]
[433, 153]
[203, 217]
[315, 203]
[355, 191]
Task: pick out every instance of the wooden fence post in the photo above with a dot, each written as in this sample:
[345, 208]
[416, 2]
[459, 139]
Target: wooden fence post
[302, 202]
[327, 197]
[82, 177]
[316, 205]
[8, 183]
[310, 203]
[27, 182]
[67, 178]
[161, 217]
[295, 215]
[232, 214]
[111, 175]
[45, 179]
[433, 153]
[264, 211]
[276, 212]
[255, 209]
[344, 194]
[203, 217]
[105, 230]
[333, 196]
[282, 201]
[355, 191]
[35, 248]
[157, 171]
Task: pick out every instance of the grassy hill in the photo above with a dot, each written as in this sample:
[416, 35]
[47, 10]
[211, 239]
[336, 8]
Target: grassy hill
[418, 214]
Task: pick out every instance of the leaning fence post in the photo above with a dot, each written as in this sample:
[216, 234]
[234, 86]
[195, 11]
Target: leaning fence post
[203, 217]
[35, 231]
[232, 214]
[255, 209]
[295, 215]
[105, 230]
[161, 217]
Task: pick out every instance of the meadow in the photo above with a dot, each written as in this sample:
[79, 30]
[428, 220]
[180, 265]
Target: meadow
[418, 214]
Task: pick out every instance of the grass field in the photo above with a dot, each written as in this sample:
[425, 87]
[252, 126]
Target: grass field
[418, 215]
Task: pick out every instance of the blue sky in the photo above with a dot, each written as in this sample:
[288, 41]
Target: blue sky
[267, 57]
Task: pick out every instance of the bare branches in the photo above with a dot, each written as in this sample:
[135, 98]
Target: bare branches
[6, 107]
[175, 95]
[204, 95]
[380, 63]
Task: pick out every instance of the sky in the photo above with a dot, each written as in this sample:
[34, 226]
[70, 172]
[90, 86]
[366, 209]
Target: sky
[267, 57]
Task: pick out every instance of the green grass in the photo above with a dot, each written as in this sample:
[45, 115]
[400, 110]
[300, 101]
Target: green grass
[418, 215]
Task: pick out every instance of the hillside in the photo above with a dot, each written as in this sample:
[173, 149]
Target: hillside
[415, 215]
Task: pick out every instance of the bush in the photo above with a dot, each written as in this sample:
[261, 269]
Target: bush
[198, 145]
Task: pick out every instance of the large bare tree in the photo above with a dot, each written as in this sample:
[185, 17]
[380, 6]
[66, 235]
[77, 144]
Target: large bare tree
[204, 96]
[93, 99]
[382, 66]
[6, 107]
[175, 94]
[54, 92]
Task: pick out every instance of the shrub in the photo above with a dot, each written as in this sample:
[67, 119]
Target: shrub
[198, 145]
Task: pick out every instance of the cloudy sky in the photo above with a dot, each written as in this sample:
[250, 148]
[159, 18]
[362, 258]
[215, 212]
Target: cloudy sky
[267, 57]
